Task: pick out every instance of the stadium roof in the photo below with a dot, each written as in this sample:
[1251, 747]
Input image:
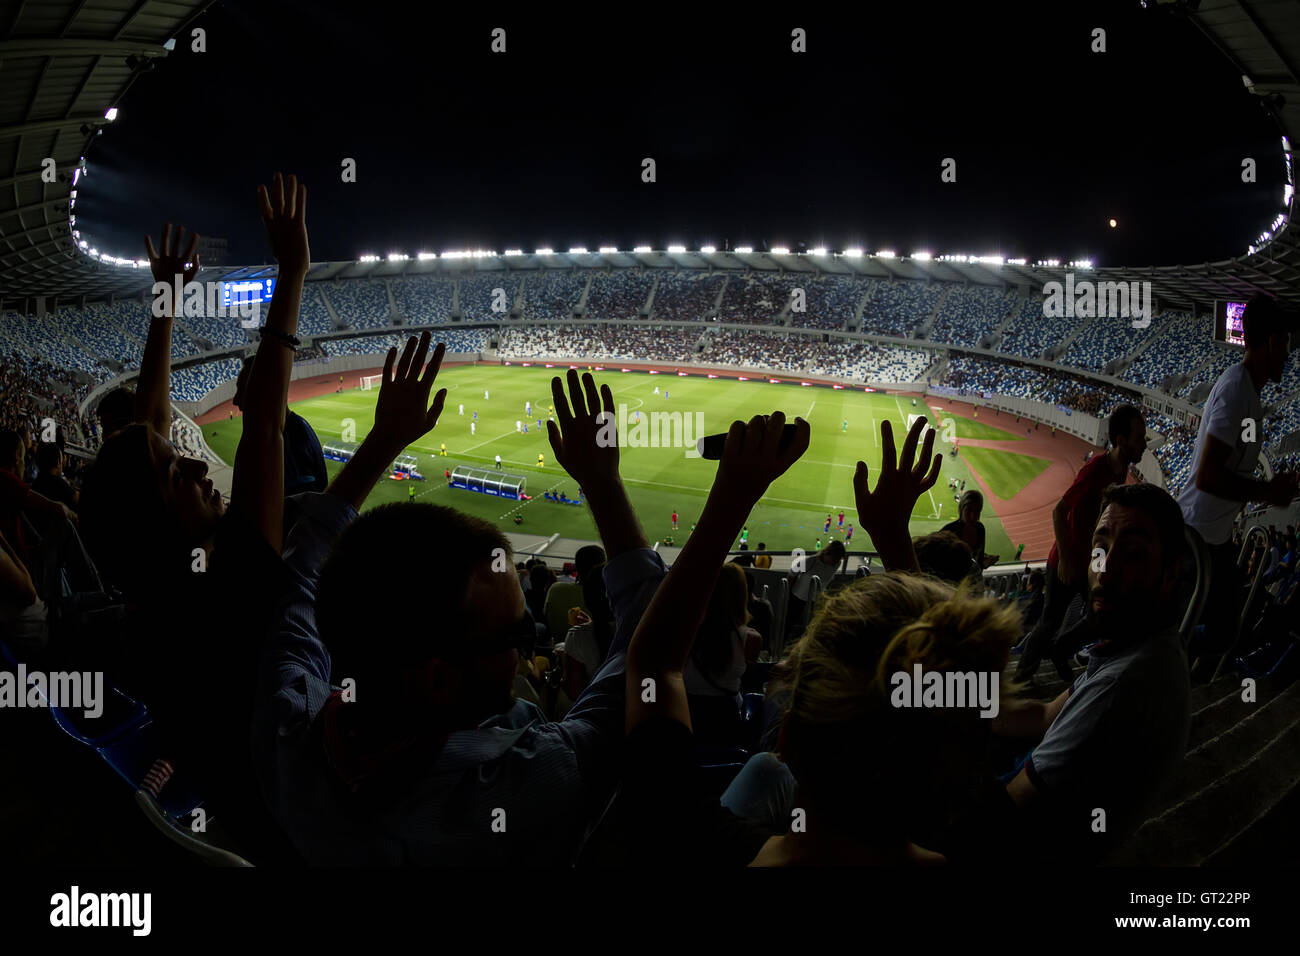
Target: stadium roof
[63, 65]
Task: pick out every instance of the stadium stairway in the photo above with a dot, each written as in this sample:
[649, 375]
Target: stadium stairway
[1058, 351]
[997, 334]
[1236, 792]
[1236, 797]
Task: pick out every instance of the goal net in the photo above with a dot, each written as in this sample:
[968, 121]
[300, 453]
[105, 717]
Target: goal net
[370, 381]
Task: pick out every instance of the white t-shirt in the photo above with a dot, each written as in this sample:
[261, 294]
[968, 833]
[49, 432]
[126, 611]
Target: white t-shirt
[1232, 400]
[580, 644]
[721, 684]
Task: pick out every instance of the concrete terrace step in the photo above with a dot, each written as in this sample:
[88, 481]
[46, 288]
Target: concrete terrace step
[1219, 709]
[1226, 787]
[1272, 838]
[1235, 746]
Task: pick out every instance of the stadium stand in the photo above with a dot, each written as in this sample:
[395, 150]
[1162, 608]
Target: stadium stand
[1182, 343]
[315, 317]
[686, 296]
[359, 303]
[192, 383]
[831, 302]
[1204, 376]
[897, 308]
[1030, 333]
[423, 300]
[621, 294]
[1103, 340]
[972, 313]
[756, 298]
[100, 335]
[553, 295]
[476, 295]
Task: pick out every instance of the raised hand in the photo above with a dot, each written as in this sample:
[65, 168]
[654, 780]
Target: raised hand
[753, 457]
[402, 413]
[170, 263]
[284, 212]
[885, 512]
[585, 442]
[1282, 488]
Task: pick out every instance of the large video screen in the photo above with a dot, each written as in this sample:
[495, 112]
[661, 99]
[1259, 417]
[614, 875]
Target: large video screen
[246, 290]
[1227, 322]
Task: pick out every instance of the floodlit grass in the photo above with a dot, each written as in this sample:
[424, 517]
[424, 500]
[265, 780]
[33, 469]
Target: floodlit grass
[1005, 472]
[659, 480]
[971, 428]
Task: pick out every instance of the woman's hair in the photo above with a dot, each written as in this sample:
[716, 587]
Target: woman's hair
[878, 770]
[123, 519]
[971, 497]
[728, 610]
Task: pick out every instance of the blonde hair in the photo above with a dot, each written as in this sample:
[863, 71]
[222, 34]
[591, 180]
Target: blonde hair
[842, 738]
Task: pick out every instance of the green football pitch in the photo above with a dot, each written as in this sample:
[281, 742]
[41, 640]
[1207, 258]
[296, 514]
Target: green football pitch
[659, 480]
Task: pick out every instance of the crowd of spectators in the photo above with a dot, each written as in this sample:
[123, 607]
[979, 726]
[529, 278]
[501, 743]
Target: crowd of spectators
[1031, 333]
[32, 390]
[423, 300]
[898, 308]
[980, 376]
[619, 294]
[756, 298]
[686, 296]
[477, 296]
[970, 313]
[553, 295]
[329, 715]
[597, 343]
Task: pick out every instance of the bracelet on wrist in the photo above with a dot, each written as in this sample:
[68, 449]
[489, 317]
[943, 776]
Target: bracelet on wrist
[284, 338]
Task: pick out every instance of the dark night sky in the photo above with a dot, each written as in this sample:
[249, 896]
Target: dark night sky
[457, 147]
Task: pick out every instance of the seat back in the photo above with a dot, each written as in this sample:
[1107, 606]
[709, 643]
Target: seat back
[1200, 593]
[184, 837]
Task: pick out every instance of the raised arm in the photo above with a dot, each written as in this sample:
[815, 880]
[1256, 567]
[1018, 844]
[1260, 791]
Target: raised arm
[402, 416]
[585, 443]
[752, 459]
[885, 513]
[258, 482]
[153, 387]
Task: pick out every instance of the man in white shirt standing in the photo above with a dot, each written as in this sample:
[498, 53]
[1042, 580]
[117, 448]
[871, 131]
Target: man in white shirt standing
[1227, 451]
